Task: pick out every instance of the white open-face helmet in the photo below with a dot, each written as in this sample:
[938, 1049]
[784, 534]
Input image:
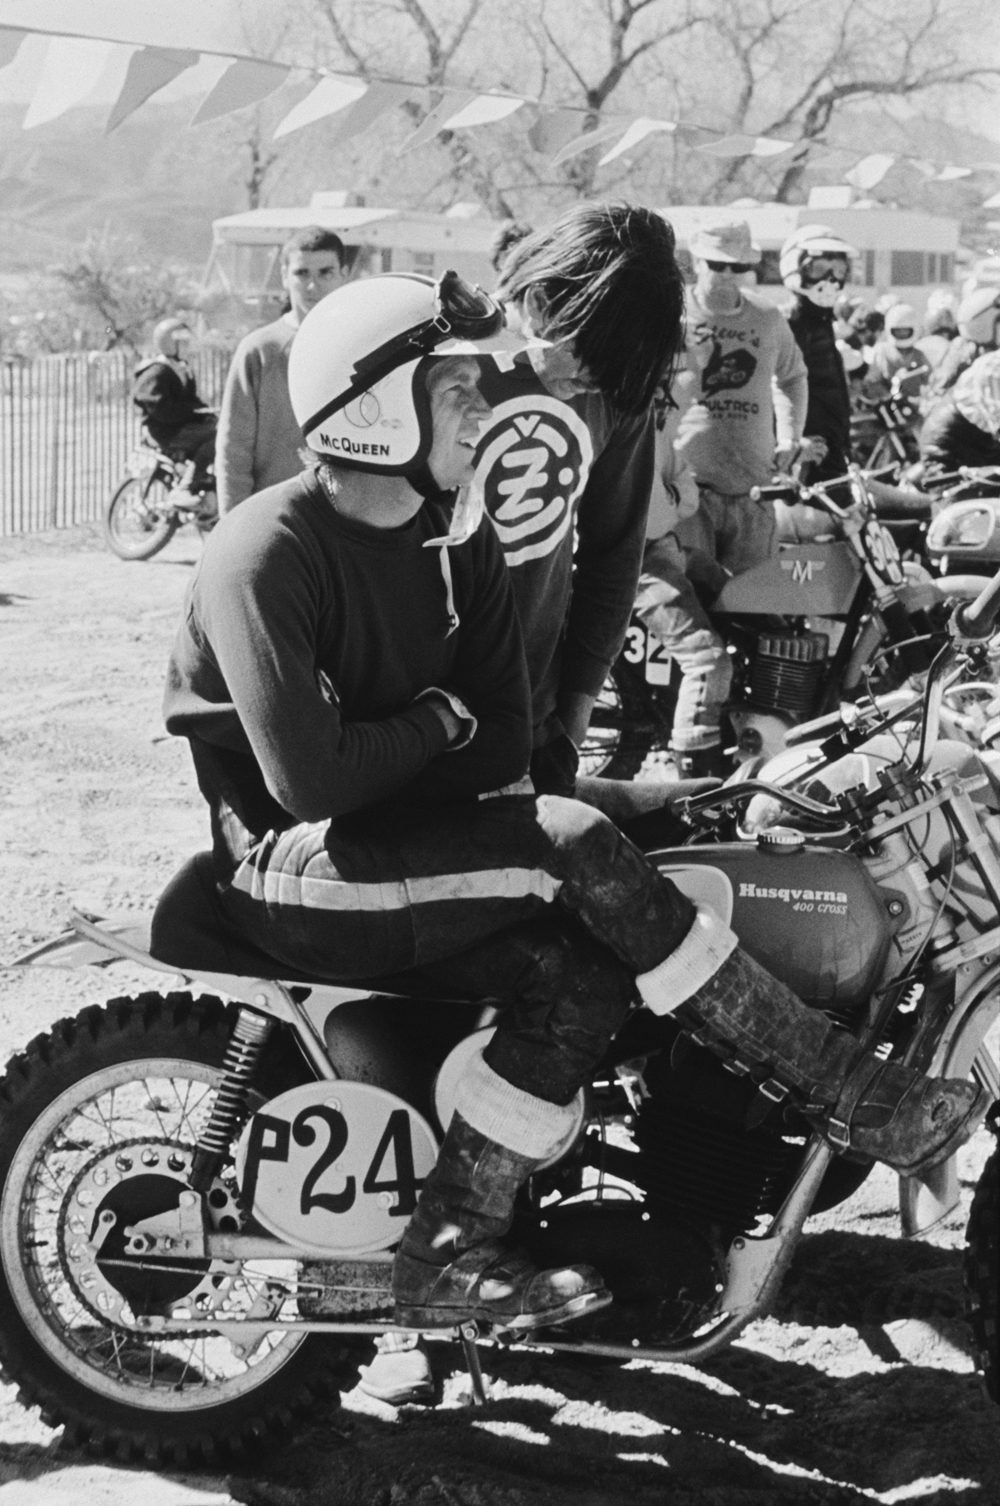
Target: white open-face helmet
[353, 366]
[804, 245]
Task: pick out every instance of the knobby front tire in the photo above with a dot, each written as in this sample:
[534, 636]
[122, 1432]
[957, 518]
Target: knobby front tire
[138, 521]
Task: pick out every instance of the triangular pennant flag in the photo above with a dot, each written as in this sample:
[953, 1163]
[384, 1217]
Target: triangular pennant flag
[553, 129]
[870, 170]
[72, 68]
[947, 174]
[10, 42]
[365, 111]
[746, 146]
[150, 69]
[993, 203]
[637, 131]
[330, 95]
[482, 109]
[584, 143]
[452, 102]
[244, 82]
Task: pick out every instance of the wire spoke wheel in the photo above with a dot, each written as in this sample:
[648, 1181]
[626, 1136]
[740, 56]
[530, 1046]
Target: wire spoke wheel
[630, 722]
[139, 519]
[89, 1156]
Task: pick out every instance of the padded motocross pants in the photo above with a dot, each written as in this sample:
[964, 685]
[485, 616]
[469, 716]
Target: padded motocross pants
[539, 903]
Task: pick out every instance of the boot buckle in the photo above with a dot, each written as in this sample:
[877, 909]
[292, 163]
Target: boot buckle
[838, 1133]
[774, 1090]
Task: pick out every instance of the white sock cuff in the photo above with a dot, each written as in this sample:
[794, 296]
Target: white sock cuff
[509, 1116]
[698, 958]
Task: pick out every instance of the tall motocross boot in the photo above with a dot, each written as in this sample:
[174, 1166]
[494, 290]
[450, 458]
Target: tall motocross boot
[727, 1002]
[451, 1265]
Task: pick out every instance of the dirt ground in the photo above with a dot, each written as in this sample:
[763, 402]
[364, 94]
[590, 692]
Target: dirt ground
[859, 1388]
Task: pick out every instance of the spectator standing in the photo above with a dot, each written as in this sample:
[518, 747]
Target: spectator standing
[815, 265]
[566, 461]
[747, 416]
[259, 441]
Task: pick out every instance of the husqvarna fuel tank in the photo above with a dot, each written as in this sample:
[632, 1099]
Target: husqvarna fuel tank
[812, 916]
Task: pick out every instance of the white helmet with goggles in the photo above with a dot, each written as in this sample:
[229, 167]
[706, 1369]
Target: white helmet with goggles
[978, 314]
[811, 243]
[901, 325]
[353, 365]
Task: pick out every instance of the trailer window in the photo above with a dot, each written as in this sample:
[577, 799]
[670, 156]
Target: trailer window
[908, 269]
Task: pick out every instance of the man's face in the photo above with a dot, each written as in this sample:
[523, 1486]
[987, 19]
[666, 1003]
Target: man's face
[717, 283]
[308, 276]
[458, 411]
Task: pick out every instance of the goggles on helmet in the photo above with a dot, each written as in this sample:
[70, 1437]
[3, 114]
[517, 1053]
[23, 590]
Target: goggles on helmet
[902, 332]
[463, 312]
[730, 266]
[824, 270]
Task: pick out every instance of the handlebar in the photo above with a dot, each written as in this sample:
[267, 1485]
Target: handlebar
[971, 624]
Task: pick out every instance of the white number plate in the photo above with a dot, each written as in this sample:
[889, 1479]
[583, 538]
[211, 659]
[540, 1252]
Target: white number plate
[335, 1167]
[641, 648]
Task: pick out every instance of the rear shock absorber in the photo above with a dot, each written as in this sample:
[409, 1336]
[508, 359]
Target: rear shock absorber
[250, 1034]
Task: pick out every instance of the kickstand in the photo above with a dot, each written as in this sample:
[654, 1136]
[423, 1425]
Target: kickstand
[468, 1334]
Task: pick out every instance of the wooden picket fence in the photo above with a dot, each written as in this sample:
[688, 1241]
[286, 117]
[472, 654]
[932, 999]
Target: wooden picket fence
[67, 428]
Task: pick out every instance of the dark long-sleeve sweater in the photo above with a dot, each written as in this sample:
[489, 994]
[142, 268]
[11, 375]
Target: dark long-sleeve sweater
[828, 414]
[948, 440]
[567, 484]
[307, 638]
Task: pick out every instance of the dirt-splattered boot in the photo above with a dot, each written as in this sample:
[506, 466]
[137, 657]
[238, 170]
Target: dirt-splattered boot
[452, 1265]
[729, 1003]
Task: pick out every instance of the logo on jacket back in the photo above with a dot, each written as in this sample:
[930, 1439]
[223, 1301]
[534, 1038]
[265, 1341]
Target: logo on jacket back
[533, 464]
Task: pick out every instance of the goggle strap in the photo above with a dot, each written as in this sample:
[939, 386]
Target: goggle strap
[411, 344]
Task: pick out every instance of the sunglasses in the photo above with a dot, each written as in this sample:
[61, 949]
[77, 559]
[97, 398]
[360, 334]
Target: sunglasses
[730, 266]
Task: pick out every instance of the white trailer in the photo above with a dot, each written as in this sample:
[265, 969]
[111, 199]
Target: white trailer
[244, 264]
[901, 252]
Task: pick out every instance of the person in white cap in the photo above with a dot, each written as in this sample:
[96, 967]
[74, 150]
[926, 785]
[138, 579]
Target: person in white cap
[744, 420]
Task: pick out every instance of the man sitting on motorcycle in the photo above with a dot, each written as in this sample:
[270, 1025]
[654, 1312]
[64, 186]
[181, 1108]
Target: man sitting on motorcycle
[350, 675]
[166, 393]
[963, 428]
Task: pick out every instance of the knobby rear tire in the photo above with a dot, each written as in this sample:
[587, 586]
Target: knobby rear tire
[115, 1393]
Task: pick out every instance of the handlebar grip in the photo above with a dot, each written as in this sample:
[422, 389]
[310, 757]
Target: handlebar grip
[978, 619]
[776, 492]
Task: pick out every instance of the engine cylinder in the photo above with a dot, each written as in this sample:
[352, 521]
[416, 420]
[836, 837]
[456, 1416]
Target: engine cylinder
[787, 673]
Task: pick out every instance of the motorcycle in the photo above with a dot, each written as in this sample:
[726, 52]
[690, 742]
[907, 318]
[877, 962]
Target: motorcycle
[965, 529]
[835, 616]
[202, 1188]
[154, 499]
[884, 430]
